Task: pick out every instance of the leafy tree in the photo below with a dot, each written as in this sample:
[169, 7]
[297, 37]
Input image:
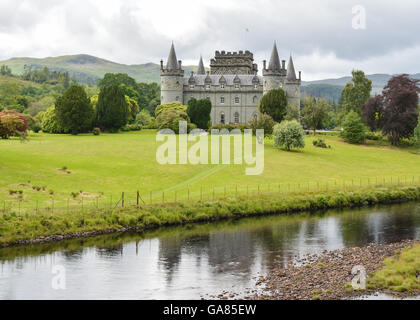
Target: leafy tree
[168, 106]
[288, 135]
[144, 118]
[12, 123]
[149, 96]
[356, 93]
[199, 112]
[112, 110]
[133, 108]
[274, 104]
[417, 135]
[315, 113]
[5, 71]
[292, 113]
[373, 113]
[49, 122]
[401, 108]
[264, 121]
[127, 84]
[74, 111]
[353, 128]
[170, 118]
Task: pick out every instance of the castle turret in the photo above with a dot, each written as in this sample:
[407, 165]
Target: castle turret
[172, 79]
[292, 84]
[274, 74]
[201, 69]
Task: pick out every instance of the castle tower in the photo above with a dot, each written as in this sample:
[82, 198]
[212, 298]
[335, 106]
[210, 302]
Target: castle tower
[292, 84]
[274, 74]
[172, 79]
[201, 70]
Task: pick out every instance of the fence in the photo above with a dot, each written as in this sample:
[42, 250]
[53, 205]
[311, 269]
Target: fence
[197, 193]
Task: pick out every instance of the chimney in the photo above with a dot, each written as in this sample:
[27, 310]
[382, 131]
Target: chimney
[265, 64]
[161, 64]
[283, 64]
[180, 64]
[300, 75]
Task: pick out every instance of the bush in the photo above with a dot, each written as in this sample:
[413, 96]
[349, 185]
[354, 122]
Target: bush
[320, 144]
[229, 127]
[373, 136]
[144, 118]
[176, 106]
[131, 127]
[96, 131]
[50, 123]
[36, 128]
[170, 118]
[354, 129]
[12, 123]
[265, 122]
[199, 112]
[288, 135]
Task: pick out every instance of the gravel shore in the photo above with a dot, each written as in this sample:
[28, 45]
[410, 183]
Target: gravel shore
[327, 276]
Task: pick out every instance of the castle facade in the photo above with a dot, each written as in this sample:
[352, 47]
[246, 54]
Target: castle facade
[232, 85]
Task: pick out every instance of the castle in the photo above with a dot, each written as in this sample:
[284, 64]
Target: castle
[232, 85]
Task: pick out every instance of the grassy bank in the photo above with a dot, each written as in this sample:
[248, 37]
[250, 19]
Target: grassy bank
[400, 273]
[100, 168]
[47, 226]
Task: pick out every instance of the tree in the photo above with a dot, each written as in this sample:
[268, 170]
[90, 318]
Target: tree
[12, 123]
[144, 118]
[112, 109]
[49, 121]
[74, 110]
[417, 135]
[315, 113]
[292, 112]
[133, 108]
[199, 112]
[168, 106]
[5, 71]
[288, 135]
[274, 104]
[356, 93]
[373, 113]
[401, 108]
[353, 128]
[265, 122]
[170, 118]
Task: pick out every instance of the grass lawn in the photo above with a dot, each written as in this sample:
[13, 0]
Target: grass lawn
[102, 167]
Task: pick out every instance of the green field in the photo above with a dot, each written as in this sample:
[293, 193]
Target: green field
[102, 167]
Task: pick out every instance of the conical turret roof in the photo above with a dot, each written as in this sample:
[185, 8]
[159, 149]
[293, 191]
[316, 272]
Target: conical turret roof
[291, 74]
[172, 60]
[201, 69]
[274, 64]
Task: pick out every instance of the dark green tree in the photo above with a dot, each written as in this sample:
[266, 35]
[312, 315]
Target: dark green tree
[274, 103]
[354, 131]
[199, 112]
[112, 110]
[74, 111]
[315, 113]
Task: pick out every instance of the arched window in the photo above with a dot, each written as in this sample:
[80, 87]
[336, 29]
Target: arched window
[222, 118]
[177, 98]
[236, 117]
[255, 99]
[222, 100]
[236, 100]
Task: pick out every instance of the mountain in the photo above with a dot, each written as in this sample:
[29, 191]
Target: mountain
[86, 68]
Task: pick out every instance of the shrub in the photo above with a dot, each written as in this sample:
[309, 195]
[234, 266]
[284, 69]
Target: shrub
[12, 123]
[229, 127]
[320, 144]
[96, 131]
[288, 135]
[144, 118]
[169, 115]
[50, 123]
[199, 112]
[177, 106]
[265, 122]
[353, 129]
[36, 128]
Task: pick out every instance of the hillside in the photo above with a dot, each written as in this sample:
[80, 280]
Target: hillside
[87, 68]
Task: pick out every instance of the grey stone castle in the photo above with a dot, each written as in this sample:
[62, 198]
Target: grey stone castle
[232, 85]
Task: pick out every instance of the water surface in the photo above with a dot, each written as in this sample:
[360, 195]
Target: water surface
[194, 261]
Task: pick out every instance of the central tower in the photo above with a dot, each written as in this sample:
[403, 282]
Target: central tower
[233, 63]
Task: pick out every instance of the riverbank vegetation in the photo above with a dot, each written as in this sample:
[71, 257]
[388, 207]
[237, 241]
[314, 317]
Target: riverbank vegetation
[400, 273]
[49, 226]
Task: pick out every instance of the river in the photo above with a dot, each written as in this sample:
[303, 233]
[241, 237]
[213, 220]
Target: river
[196, 261]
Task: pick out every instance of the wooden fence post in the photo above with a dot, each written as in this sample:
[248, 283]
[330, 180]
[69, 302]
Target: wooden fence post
[138, 198]
[122, 199]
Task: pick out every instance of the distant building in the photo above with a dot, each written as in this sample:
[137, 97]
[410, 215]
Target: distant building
[232, 85]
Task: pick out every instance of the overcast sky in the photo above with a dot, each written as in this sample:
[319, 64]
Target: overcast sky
[319, 34]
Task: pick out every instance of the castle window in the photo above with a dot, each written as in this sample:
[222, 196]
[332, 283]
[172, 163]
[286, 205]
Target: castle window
[208, 98]
[177, 99]
[236, 116]
[222, 86]
[222, 118]
[255, 86]
[222, 99]
[237, 86]
[255, 99]
[208, 86]
[236, 100]
[191, 86]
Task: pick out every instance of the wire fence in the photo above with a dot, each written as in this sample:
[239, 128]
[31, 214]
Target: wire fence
[80, 203]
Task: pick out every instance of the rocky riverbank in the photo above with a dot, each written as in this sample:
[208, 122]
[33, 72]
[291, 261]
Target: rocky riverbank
[327, 276]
